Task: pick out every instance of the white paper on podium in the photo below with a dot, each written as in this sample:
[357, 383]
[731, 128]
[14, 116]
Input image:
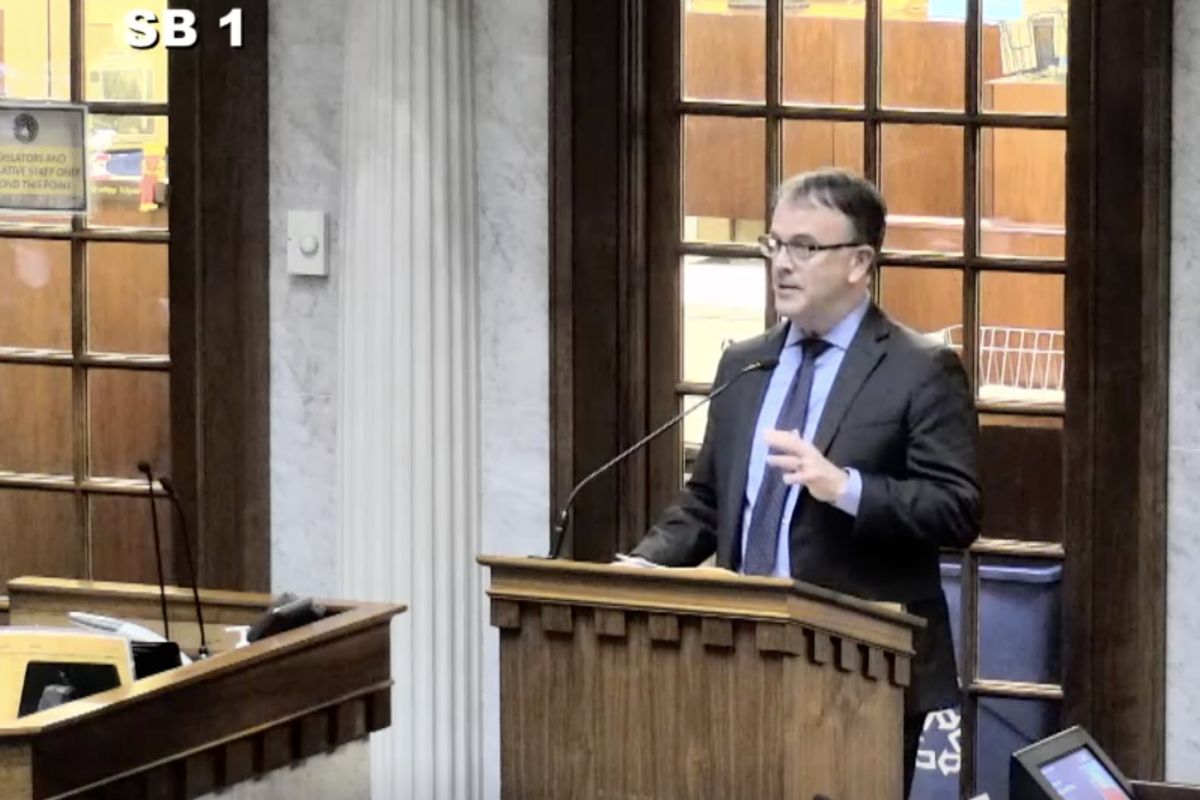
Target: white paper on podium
[636, 561]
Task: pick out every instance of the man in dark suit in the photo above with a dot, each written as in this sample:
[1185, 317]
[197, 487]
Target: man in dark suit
[851, 463]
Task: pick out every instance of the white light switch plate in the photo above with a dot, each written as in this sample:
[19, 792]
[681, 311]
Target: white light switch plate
[307, 243]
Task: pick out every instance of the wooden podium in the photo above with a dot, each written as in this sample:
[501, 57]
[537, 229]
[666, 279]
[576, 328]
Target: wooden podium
[622, 682]
[200, 728]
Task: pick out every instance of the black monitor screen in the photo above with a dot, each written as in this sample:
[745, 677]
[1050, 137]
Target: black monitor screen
[47, 683]
[1079, 775]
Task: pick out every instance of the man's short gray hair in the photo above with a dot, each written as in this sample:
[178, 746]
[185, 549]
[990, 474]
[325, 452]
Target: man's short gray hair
[844, 191]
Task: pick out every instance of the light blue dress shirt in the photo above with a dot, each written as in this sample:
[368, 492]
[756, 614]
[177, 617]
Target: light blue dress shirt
[827, 367]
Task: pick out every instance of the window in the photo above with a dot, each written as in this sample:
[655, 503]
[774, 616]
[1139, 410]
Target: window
[1083, 487]
[85, 307]
[958, 111]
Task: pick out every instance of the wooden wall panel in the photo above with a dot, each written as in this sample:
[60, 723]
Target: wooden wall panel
[1020, 474]
[923, 299]
[931, 299]
[724, 56]
[35, 419]
[1024, 179]
[811, 144]
[822, 60]
[35, 294]
[823, 63]
[922, 170]
[1025, 95]
[128, 298]
[38, 535]
[123, 543]
[922, 64]
[723, 161]
[1022, 300]
[129, 419]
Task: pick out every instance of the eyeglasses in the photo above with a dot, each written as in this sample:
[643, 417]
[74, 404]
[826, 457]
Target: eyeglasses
[798, 252]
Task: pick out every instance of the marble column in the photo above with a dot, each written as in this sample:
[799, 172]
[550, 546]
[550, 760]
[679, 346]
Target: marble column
[511, 55]
[305, 47]
[1183, 509]
[409, 390]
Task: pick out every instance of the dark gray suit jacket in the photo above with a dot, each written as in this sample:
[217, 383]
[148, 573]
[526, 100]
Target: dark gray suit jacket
[901, 413]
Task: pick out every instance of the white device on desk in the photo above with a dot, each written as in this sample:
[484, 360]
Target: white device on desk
[119, 627]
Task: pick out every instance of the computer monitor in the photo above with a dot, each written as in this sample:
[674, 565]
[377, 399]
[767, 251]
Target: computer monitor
[1067, 766]
[41, 667]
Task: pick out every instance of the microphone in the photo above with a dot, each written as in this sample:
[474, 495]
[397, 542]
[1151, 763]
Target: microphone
[169, 488]
[559, 531]
[144, 468]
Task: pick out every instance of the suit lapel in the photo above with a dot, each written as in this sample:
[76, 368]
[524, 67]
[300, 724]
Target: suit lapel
[866, 350]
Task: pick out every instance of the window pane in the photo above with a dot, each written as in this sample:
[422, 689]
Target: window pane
[114, 70]
[1021, 476]
[1021, 338]
[693, 431]
[1019, 619]
[924, 55]
[1023, 193]
[724, 51]
[35, 49]
[127, 298]
[724, 301]
[129, 420]
[123, 539]
[822, 50]
[127, 171]
[929, 301]
[809, 145]
[1004, 726]
[1024, 57]
[922, 175]
[38, 535]
[724, 193]
[35, 294]
[36, 419]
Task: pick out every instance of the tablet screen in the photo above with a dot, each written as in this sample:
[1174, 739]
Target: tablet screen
[1079, 775]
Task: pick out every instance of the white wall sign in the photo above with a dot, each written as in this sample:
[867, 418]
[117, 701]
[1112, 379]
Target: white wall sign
[43, 158]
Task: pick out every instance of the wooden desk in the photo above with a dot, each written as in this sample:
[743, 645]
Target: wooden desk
[210, 725]
[1146, 790]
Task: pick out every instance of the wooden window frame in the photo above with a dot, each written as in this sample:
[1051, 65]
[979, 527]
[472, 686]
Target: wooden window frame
[220, 308]
[607, 388]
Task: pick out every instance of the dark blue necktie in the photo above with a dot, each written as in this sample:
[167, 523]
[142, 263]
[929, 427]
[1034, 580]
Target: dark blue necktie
[762, 535]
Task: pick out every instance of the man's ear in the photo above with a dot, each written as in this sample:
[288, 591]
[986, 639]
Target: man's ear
[864, 261]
